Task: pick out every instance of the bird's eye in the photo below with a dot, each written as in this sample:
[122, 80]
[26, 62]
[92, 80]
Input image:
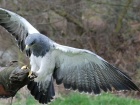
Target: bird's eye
[32, 42]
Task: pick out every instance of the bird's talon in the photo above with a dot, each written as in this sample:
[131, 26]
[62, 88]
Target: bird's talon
[24, 67]
[30, 74]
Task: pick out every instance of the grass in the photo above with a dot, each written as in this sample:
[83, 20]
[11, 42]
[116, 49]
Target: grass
[83, 99]
[104, 99]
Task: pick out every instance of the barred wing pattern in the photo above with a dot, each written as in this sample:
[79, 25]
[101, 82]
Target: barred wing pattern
[87, 72]
[17, 26]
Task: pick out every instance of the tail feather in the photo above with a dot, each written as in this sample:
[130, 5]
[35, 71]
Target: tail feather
[43, 97]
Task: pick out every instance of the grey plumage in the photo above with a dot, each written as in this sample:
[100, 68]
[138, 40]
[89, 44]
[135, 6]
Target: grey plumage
[41, 44]
[90, 76]
[17, 26]
[76, 68]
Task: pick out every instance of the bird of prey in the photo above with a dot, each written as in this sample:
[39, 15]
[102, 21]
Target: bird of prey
[77, 69]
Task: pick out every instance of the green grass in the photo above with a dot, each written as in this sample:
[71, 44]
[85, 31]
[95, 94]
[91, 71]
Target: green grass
[83, 99]
[104, 99]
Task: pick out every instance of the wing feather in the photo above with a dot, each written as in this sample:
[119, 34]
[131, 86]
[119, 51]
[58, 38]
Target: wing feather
[17, 26]
[87, 72]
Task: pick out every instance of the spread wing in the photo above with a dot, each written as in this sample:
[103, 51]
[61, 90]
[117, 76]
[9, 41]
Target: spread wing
[86, 71]
[17, 26]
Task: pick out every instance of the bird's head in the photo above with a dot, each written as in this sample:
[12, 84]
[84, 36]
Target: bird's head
[32, 40]
[36, 43]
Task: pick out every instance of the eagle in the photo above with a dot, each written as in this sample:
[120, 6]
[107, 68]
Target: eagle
[77, 69]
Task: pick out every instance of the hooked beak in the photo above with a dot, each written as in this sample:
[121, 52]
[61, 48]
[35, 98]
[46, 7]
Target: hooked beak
[28, 51]
[27, 47]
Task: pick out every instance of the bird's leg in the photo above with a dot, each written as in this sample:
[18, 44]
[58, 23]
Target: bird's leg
[24, 68]
[30, 74]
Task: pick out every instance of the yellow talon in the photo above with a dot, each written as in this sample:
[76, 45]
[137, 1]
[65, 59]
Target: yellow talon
[30, 74]
[24, 67]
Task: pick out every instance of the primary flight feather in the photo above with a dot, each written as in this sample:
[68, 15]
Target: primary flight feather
[77, 69]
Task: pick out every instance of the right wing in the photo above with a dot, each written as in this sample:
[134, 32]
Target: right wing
[87, 72]
[17, 26]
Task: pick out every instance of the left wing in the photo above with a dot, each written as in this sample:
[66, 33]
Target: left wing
[17, 26]
[87, 72]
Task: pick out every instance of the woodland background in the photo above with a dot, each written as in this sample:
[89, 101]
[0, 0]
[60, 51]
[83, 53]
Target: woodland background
[111, 28]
